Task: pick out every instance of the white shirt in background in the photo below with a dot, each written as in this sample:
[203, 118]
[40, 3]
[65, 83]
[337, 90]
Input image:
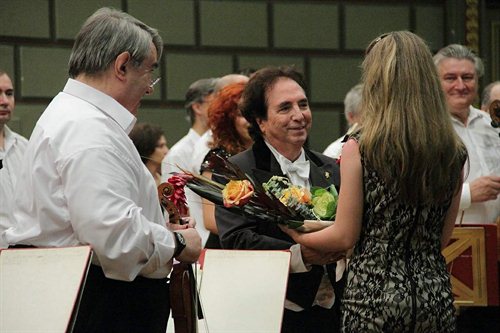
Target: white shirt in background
[11, 156]
[483, 146]
[194, 201]
[334, 149]
[181, 154]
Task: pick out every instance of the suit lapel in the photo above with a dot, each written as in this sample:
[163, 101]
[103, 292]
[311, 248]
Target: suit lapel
[266, 165]
[320, 173]
[318, 176]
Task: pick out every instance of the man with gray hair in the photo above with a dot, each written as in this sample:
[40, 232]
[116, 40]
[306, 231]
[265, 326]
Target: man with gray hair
[490, 93]
[459, 70]
[352, 112]
[83, 181]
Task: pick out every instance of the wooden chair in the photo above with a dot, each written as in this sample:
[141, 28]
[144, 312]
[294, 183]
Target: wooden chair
[472, 258]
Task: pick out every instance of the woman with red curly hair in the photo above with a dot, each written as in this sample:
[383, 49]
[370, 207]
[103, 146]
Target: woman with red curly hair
[230, 137]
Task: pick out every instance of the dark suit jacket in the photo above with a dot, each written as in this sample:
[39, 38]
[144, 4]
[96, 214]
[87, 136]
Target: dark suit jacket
[237, 232]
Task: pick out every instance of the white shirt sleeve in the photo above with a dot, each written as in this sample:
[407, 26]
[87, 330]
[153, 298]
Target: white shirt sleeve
[466, 197]
[296, 262]
[102, 203]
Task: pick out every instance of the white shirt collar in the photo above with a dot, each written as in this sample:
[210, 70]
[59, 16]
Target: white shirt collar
[296, 177]
[473, 115]
[103, 102]
[281, 159]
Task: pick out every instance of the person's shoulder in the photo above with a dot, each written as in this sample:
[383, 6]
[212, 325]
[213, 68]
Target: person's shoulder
[483, 115]
[180, 147]
[21, 140]
[333, 150]
[244, 160]
[322, 157]
[484, 119]
[16, 136]
[243, 156]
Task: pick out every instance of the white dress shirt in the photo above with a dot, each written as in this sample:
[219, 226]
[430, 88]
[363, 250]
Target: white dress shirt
[181, 154]
[483, 145]
[325, 297]
[83, 182]
[194, 201]
[334, 149]
[11, 156]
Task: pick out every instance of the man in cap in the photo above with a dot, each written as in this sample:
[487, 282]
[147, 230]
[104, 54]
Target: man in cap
[198, 97]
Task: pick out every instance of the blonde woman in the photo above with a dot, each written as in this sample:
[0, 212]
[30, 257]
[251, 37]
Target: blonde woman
[401, 181]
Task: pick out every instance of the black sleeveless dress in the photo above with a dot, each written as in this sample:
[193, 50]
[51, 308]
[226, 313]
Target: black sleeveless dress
[397, 279]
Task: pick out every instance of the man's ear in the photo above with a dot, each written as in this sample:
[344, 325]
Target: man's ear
[120, 65]
[197, 108]
[261, 124]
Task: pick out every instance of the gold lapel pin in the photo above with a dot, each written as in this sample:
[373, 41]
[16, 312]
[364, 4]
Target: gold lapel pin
[327, 174]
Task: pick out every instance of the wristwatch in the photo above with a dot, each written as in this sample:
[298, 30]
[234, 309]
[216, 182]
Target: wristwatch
[180, 243]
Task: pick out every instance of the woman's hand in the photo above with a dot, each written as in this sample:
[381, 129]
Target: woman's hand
[290, 232]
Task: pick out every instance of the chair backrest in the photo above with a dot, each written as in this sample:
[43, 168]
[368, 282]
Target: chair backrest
[471, 257]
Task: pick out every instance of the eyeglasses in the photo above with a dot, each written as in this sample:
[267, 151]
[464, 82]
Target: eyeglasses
[154, 81]
[374, 42]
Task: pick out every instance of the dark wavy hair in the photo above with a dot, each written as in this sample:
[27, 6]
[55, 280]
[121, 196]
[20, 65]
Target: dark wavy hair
[222, 113]
[253, 104]
[145, 137]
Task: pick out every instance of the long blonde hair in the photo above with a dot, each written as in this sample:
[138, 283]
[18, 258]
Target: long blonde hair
[407, 134]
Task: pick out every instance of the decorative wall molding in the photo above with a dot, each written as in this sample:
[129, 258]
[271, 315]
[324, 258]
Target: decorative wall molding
[472, 25]
[495, 50]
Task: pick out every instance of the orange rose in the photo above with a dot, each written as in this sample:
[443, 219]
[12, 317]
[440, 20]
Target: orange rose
[297, 194]
[237, 193]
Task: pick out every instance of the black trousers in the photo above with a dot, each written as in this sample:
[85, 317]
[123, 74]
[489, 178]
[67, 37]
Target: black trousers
[107, 305]
[314, 320]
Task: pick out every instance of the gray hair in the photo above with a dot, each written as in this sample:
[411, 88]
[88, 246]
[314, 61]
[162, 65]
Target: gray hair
[485, 101]
[352, 100]
[229, 79]
[106, 34]
[459, 52]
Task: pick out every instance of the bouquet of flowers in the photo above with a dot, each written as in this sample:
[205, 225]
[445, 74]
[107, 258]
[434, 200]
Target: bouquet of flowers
[277, 200]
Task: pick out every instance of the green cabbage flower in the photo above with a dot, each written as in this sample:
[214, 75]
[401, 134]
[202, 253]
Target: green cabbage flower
[324, 202]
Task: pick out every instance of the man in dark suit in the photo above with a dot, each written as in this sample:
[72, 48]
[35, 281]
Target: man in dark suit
[275, 104]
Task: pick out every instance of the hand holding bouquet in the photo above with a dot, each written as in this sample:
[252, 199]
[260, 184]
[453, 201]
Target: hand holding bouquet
[276, 201]
[317, 206]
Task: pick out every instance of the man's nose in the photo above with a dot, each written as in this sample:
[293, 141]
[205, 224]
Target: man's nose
[3, 99]
[297, 113]
[459, 84]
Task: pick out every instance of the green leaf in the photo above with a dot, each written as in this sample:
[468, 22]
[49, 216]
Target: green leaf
[316, 191]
